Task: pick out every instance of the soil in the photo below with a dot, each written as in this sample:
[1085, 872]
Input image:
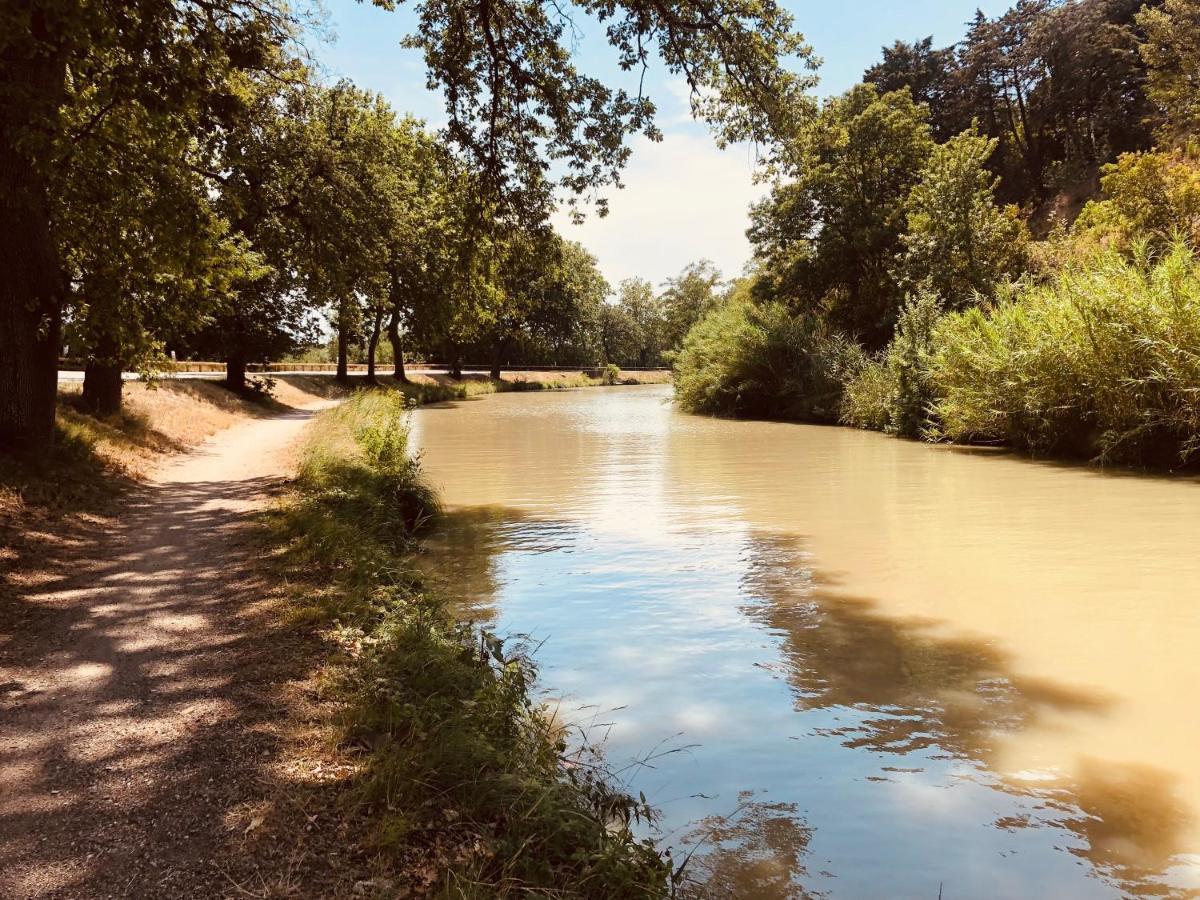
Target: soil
[144, 698]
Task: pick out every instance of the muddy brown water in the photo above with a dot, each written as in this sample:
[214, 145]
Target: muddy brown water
[846, 665]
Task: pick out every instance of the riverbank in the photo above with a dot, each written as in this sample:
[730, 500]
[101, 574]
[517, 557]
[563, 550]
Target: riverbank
[1100, 361]
[455, 781]
[156, 650]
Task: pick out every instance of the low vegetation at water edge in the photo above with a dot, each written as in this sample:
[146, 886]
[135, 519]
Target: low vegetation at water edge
[459, 762]
[1000, 282]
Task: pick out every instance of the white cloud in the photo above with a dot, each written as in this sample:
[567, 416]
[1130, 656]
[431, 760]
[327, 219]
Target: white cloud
[683, 200]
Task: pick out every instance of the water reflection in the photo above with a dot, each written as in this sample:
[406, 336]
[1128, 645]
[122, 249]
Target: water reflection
[843, 739]
[759, 850]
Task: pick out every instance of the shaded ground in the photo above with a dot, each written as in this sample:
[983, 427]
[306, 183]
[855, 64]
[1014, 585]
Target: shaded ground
[139, 698]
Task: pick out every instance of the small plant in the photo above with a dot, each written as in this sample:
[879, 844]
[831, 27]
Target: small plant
[611, 374]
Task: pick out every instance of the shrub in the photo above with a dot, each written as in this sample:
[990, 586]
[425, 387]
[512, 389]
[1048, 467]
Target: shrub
[611, 374]
[1103, 361]
[747, 359]
[1152, 196]
[893, 392]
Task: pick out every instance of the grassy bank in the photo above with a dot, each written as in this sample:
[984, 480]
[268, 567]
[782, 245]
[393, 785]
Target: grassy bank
[456, 764]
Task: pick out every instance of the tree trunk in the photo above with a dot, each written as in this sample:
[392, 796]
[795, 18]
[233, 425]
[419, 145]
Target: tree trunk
[235, 371]
[498, 359]
[32, 282]
[393, 332]
[102, 386]
[372, 344]
[343, 370]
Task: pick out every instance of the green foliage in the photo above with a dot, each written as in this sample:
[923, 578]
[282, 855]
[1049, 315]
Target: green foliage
[894, 392]
[460, 754]
[751, 359]
[631, 331]
[686, 299]
[1151, 197]
[959, 244]
[1104, 361]
[1060, 85]
[515, 99]
[829, 238]
[611, 374]
[1171, 51]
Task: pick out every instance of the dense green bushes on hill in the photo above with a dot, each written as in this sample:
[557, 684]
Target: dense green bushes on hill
[1102, 360]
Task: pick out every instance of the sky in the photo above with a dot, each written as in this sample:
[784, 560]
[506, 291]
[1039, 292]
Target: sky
[683, 200]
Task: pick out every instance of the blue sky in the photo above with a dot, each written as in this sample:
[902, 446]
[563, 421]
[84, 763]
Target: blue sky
[683, 199]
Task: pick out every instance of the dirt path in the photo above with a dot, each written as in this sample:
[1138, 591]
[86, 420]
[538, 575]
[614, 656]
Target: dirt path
[135, 720]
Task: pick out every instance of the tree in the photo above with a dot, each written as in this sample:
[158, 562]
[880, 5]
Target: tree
[1001, 71]
[515, 100]
[927, 73]
[646, 323]
[268, 159]
[959, 243]
[1091, 97]
[1171, 50]
[421, 228]
[166, 55]
[686, 299]
[617, 335]
[829, 238]
[145, 252]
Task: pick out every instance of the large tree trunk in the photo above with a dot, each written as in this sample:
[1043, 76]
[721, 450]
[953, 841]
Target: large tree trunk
[343, 338]
[393, 332]
[235, 371]
[102, 378]
[102, 387]
[372, 344]
[32, 282]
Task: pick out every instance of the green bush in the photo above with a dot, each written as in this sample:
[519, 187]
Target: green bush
[893, 392]
[1152, 196]
[1102, 361]
[747, 359]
